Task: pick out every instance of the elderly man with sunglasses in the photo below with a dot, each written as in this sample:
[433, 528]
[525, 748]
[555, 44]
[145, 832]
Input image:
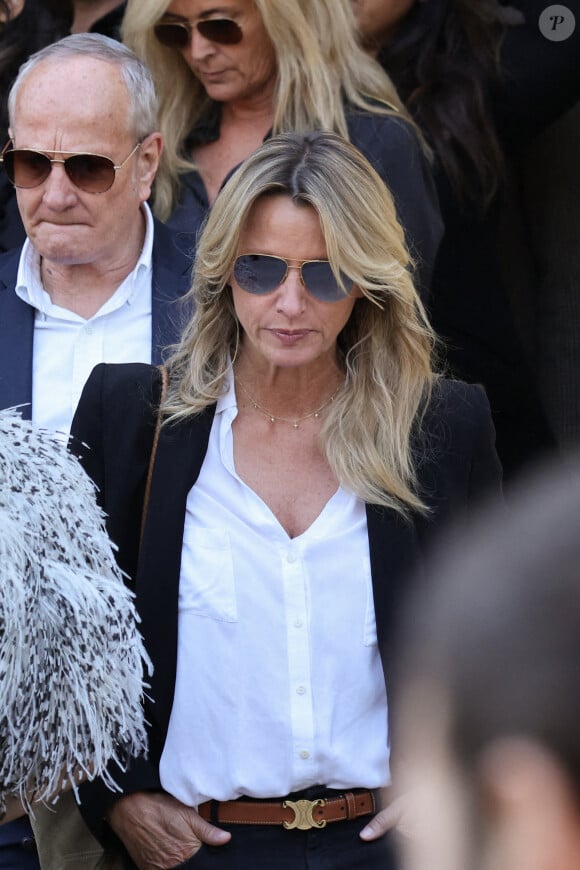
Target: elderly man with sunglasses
[97, 278]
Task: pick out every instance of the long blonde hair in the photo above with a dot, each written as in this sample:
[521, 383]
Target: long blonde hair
[385, 347]
[320, 65]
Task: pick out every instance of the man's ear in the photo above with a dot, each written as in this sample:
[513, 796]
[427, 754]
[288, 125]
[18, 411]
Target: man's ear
[149, 155]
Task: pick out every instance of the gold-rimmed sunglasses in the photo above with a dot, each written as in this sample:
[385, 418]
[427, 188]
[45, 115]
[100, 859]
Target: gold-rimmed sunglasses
[260, 274]
[94, 173]
[177, 33]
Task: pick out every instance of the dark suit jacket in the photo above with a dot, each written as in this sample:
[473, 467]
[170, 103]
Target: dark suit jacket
[116, 419]
[171, 279]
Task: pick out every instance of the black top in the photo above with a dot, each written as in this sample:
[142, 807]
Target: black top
[470, 305]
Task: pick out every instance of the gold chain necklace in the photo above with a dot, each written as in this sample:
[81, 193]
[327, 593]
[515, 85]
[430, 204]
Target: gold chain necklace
[294, 423]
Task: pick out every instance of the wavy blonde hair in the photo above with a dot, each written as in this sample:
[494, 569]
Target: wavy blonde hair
[320, 65]
[386, 346]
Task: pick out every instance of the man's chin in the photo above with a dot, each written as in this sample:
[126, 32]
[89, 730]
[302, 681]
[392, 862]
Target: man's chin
[60, 245]
[63, 255]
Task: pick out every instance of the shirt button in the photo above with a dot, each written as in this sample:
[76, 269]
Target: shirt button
[89, 330]
[298, 623]
[304, 754]
[291, 557]
[300, 690]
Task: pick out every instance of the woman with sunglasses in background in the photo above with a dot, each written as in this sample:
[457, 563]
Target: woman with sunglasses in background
[230, 77]
[307, 455]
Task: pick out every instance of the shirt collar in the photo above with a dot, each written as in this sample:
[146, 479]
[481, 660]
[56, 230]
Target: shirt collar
[228, 400]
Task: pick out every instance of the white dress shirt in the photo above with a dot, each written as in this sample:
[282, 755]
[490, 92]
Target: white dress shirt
[67, 347]
[279, 682]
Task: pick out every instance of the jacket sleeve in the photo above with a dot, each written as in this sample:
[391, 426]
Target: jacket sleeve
[112, 434]
[485, 476]
[393, 148]
[458, 465]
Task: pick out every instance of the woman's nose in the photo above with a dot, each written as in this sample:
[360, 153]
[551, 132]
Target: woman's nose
[199, 47]
[291, 293]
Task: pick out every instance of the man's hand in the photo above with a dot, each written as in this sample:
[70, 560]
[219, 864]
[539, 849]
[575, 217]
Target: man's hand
[160, 832]
[13, 810]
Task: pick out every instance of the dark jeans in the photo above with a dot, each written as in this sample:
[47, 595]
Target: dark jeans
[263, 847]
[17, 848]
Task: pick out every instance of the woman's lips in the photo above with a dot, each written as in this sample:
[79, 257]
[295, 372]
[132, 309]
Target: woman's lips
[212, 76]
[290, 337]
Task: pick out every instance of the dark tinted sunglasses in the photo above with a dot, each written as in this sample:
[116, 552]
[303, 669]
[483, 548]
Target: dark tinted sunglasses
[177, 34]
[262, 273]
[92, 173]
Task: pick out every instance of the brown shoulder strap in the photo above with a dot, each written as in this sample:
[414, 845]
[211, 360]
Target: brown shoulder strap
[164, 386]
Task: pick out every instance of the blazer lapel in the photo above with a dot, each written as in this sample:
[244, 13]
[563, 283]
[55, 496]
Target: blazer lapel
[170, 282]
[395, 553]
[16, 340]
[180, 454]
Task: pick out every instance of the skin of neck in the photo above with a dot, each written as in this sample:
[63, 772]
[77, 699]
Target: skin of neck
[87, 12]
[251, 111]
[289, 391]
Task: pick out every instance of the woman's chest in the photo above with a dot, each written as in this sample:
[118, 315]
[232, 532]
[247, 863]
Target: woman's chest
[293, 480]
[215, 160]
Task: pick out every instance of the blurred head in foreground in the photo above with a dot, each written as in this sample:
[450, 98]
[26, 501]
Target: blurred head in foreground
[490, 690]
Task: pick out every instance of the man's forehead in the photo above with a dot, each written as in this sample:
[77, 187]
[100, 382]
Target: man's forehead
[65, 76]
[72, 91]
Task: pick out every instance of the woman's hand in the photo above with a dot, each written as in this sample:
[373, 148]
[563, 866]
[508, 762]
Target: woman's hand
[159, 831]
[397, 815]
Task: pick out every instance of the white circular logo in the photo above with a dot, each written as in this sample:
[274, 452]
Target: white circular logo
[557, 22]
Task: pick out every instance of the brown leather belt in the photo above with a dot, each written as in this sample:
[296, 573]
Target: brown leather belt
[301, 814]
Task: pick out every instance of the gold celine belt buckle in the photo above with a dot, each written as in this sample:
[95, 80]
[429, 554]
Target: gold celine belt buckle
[303, 814]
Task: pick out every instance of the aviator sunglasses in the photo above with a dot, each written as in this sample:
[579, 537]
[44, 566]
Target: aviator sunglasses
[92, 173]
[177, 34]
[261, 273]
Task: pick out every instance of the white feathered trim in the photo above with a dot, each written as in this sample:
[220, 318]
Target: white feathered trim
[71, 657]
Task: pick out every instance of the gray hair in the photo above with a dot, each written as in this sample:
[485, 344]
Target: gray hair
[143, 99]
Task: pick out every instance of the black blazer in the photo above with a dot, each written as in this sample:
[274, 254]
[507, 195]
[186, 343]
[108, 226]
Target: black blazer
[112, 433]
[171, 279]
